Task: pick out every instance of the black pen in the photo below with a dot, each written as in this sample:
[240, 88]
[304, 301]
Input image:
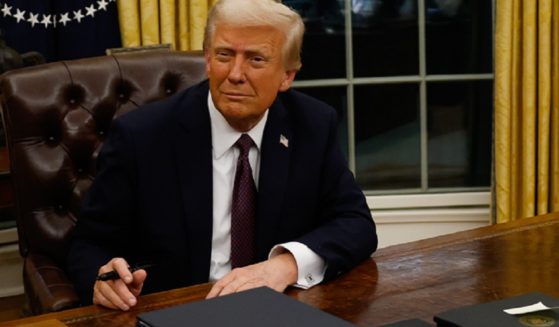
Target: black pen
[112, 275]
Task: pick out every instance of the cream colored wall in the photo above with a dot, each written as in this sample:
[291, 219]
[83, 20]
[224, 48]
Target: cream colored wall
[406, 218]
[400, 227]
[10, 264]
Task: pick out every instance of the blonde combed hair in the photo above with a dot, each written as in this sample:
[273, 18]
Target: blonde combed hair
[260, 13]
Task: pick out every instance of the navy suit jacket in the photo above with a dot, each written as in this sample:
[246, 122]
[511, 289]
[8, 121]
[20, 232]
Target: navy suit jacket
[152, 197]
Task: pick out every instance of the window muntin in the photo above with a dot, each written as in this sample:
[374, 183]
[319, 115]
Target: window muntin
[438, 55]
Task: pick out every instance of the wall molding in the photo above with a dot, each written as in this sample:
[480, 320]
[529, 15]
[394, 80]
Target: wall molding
[427, 200]
[8, 236]
[444, 215]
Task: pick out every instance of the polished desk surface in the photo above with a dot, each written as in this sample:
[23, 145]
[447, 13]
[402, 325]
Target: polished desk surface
[413, 280]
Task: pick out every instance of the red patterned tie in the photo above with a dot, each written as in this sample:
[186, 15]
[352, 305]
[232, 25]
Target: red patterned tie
[243, 209]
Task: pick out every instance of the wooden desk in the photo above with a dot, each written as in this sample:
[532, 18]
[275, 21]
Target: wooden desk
[413, 280]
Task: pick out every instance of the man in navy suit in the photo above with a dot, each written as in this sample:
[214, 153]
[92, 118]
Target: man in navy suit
[164, 187]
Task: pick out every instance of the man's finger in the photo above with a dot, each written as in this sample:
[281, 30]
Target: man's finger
[124, 292]
[232, 287]
[231, 282]
[216, 289]
[137, 284]
[106, 290]
[100, 299]
[220, 284]
[121, 267]
[251, 284]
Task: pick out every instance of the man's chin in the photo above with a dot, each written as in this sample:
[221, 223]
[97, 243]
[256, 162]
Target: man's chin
[239, 119]
[234, 110]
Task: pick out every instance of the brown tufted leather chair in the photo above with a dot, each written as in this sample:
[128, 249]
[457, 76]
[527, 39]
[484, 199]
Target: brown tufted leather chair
[57, 116]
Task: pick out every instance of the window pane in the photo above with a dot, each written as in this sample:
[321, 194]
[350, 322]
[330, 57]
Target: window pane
[387, 136]
[323, 53]
[459, 133]
[337, 98]
[458, 36]
[385, 38]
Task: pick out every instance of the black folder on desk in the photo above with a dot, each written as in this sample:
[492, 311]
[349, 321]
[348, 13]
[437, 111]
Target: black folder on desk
[491, 314]
[257, 307]
[409, 323]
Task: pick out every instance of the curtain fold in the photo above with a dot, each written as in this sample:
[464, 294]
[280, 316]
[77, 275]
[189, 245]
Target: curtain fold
[526, 117]
[177, 22]
[129, 21]
[554, 172]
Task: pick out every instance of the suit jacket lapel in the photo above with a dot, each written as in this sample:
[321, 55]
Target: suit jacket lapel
[194, 157]
[274, 169]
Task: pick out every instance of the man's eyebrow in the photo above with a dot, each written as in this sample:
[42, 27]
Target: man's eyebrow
[257, 53]
[248, 52]
[223, 47]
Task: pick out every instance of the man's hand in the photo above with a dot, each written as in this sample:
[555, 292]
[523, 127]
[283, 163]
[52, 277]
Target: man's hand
[276, 273]
[120, 293]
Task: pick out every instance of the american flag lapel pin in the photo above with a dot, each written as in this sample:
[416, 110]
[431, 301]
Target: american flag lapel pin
[284, 141]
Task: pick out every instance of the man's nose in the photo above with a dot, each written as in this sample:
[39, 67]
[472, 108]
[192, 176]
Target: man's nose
[237, 70]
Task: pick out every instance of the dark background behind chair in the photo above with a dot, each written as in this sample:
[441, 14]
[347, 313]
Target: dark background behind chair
[57, 116]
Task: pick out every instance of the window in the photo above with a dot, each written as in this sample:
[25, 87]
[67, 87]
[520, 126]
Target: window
[412, 83]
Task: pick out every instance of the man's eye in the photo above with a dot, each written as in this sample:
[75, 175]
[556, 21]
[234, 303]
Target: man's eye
[256, 60]
[222, 55]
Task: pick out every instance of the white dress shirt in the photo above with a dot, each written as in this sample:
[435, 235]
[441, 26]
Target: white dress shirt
[310, 266]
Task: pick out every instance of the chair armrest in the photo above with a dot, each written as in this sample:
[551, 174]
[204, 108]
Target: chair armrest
[46, 286]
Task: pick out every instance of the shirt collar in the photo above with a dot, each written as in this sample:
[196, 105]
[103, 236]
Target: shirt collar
[224, 136]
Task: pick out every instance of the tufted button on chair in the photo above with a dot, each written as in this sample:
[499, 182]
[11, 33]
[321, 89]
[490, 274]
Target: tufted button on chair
[57, 116]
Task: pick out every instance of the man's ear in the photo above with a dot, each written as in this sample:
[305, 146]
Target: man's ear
[207, 56]
[287, 80]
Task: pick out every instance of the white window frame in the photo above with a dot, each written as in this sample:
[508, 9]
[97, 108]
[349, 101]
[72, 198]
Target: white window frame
[422, 79]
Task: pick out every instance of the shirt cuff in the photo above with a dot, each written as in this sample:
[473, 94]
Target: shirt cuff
[311, 267]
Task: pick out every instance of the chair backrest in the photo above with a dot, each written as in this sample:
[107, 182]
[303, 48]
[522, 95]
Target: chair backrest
[57, 116]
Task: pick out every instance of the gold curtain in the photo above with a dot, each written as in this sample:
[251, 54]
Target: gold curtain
[526, 108]
[178, 22]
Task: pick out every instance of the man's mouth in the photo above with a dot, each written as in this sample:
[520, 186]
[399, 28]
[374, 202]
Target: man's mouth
[235, 95]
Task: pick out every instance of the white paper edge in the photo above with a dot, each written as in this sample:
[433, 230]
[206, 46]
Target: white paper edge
[527, 309]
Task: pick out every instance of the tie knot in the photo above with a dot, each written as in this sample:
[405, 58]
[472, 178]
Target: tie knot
[244, 143]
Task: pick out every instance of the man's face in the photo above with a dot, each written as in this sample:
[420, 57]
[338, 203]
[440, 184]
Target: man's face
[246, 71]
